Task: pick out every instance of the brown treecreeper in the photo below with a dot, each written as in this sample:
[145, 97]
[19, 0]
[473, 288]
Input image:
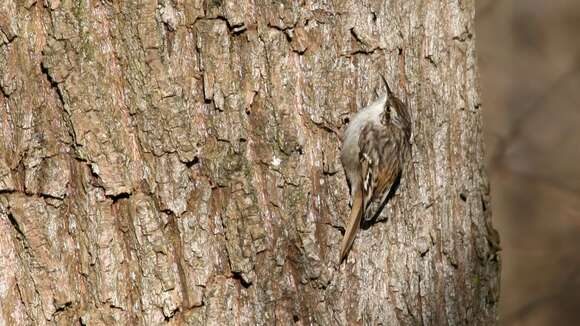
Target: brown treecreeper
[375, 146]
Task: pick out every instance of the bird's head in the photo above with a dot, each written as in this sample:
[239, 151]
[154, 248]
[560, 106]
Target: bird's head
[396, 113]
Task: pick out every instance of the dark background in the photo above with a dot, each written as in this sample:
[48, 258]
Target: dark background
[529, 56]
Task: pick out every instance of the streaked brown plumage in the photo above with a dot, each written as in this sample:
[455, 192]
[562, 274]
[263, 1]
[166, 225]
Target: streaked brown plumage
[375, 145]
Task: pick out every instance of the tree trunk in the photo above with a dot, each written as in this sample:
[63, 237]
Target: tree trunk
[177, 162]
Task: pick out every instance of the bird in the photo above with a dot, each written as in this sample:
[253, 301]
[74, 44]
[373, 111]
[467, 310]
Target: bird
[375, 145]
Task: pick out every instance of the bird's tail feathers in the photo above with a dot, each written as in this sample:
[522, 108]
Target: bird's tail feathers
[353, 225]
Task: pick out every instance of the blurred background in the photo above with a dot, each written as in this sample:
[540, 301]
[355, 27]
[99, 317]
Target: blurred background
[529, 59]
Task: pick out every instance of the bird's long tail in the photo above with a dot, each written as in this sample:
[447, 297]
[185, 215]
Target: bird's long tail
[353, 225]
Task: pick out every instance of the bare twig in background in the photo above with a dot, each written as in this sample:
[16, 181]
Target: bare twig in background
[559, 292]
[546, 180]
[484, 9]
[530, 67]
[517, 126]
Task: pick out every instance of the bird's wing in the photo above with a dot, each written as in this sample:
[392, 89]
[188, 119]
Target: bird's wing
[379, 166]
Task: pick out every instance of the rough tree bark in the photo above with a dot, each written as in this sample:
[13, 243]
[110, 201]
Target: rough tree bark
[176, 161]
